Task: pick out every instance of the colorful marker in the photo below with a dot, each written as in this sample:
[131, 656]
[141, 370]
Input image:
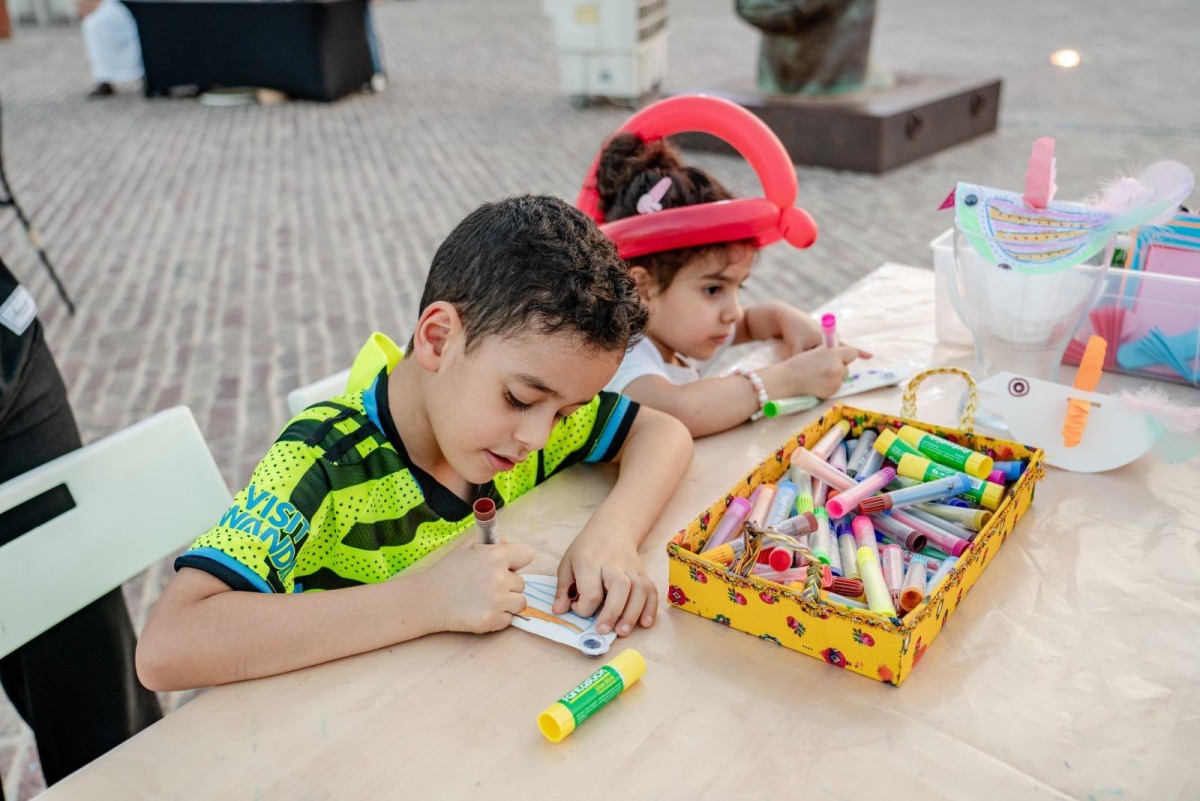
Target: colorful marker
[798, 403]
[892, 563]
[821, 469]
[945, 452]
[940, 574]
[821, 541]
[878, 598]
[801, 525]
[485, 519]
[944, 525]
[862, 449]
[781, 507]
[841, 600]
[898, 532]
[864, 535]
[848, 550]
[804, 485]
[974, 519]
[829, 330]
[725, 554]
[931, 564]
[760, 504]
[590, 695]
[997, 477]
[848, 499]
[944, 541]
[913, 591]
[731, 523]
[1013, 470]
[833, 437]
[982, 492]
[871, 466]
[931, 491]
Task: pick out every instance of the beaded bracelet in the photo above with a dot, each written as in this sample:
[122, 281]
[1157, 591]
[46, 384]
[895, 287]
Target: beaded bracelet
[759, 390]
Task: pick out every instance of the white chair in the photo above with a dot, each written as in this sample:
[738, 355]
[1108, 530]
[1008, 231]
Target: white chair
[140, 495]
[331, 386]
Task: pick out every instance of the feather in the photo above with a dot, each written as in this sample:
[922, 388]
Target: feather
[1176, 425]
[1159, 189]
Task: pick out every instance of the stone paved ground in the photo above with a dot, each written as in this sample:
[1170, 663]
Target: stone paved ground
[223, 256]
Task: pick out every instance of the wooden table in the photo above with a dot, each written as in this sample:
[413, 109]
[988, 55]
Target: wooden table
[1069, 671]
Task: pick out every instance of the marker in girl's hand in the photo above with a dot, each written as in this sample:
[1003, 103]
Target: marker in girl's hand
[829, 330]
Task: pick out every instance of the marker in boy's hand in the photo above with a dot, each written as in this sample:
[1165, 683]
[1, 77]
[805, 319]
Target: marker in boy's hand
[476, 588]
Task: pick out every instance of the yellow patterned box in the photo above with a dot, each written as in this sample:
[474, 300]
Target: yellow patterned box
[882, 648]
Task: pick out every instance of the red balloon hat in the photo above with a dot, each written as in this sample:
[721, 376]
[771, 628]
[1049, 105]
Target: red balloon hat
[765, 220]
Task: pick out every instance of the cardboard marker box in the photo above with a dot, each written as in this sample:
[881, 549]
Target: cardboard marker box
[882, 648]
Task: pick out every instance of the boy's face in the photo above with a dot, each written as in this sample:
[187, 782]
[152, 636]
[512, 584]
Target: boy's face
[699, 309]
[498, 403]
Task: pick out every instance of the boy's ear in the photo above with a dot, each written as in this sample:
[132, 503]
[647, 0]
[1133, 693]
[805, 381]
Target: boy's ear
[643, 280]
[437, 326]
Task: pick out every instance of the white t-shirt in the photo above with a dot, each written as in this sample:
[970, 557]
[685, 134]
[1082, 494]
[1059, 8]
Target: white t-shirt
[645, 359]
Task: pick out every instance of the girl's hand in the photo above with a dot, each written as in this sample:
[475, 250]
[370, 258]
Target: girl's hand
[476, 588]
[818, 371]
[601, 570]
[799, 331]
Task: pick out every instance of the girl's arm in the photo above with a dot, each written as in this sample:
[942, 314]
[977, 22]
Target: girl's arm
[711, 405]
[778, 320]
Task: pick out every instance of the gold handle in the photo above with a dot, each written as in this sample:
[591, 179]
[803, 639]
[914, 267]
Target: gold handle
[908, 408]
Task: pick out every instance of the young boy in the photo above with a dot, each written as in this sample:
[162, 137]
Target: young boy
[527, 312]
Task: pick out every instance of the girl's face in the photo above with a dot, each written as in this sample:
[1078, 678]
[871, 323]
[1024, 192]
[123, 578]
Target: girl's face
[699, 309]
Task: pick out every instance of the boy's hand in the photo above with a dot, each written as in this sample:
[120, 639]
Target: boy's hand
[476, 588]
[601, 570]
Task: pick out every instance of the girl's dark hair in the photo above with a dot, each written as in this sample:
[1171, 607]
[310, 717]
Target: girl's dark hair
[629, 167]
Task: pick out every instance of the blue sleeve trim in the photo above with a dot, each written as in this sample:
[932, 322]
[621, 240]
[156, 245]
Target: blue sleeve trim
[370, 406]
[611, 426]
[225, 567]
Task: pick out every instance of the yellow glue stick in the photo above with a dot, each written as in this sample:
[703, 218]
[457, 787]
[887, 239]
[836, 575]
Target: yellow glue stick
[943, 451]
[590, 695]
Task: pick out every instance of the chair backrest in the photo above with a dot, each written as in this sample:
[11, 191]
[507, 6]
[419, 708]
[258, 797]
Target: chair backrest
[139, 495]
[331, 386]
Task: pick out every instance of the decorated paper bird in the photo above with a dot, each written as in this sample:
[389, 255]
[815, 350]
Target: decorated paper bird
[1032, 232]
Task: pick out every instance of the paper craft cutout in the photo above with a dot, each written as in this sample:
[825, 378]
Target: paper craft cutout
[1091, 366]
[1039, 178]
[1113, 323]
[568, 628]
[1034, 411]
[860, 381]
[1009, 232]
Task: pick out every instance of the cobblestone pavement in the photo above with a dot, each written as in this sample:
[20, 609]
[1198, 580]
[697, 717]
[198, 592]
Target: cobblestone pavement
[223, 256]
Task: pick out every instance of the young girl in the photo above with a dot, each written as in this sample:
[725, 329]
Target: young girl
[692, 294]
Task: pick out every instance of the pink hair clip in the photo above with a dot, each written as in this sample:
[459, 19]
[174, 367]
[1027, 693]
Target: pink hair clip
[652, 200]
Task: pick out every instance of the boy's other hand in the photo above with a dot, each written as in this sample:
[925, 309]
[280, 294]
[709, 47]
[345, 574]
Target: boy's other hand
[476, 588]
[607, 576]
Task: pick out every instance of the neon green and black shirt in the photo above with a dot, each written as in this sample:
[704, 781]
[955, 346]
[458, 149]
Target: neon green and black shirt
[337, 501]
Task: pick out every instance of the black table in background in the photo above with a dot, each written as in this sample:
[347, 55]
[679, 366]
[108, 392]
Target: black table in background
[313, 49]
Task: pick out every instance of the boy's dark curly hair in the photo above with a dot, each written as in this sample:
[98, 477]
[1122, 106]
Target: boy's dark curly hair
[535, 263]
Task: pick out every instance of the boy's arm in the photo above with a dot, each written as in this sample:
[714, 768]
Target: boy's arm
[603, 561]
[203, 633]
[711, 405]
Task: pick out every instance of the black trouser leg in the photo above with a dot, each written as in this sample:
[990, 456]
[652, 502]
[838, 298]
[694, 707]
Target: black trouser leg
[75, 684]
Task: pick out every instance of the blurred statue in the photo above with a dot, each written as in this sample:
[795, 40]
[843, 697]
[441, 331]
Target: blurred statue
[813, 46]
